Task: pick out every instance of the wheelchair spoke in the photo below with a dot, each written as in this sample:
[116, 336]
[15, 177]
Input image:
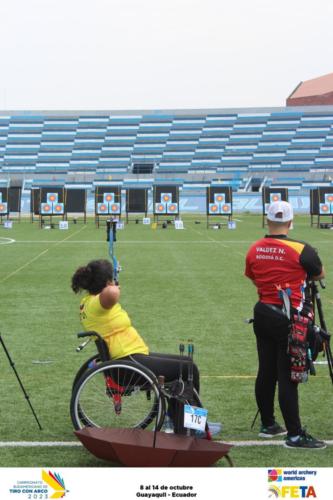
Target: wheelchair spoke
[117, 394]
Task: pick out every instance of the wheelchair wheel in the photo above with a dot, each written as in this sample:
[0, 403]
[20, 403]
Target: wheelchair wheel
[90, 363]
[117, 394]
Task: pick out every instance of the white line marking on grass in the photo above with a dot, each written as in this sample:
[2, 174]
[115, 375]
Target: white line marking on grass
[6, 241]
[35, 444]
[68, 444]
[228, 376]
[244, 376]
[135, 242]
[38, 256]
[261, 443]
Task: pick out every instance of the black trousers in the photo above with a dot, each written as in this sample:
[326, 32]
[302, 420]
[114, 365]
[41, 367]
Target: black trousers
[169, 366]
[271, 330]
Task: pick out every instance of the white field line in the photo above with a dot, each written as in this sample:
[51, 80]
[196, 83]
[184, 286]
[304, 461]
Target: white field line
[136, 242]
[262, 443]
[75, 444]
[38, 256]
[148, 242]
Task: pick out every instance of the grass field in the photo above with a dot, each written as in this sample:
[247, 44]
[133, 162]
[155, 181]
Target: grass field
[175, 285]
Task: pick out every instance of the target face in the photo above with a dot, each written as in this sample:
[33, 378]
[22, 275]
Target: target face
[46, 208]
[108, 198]
[52, 197]
[172, 208]
[329, 198]
[325, 208]
[3, 208]
[58, 208]
[275, 197]
[219, 198]
[214, 208]
[102, 208]
[226, 208]
[160, 208]
[166, 197]
[114, 208]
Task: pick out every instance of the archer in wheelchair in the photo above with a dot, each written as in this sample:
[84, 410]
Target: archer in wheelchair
[123, 384]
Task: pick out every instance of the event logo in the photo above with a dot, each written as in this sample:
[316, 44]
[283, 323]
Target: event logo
[50, 485]
[286, 490]
[56, 482]
[291, 492]
[274, 475]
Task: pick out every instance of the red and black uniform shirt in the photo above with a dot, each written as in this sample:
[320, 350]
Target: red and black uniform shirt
[278, 262]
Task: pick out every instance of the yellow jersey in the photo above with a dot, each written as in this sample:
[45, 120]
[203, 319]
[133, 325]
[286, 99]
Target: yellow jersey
[114, 325]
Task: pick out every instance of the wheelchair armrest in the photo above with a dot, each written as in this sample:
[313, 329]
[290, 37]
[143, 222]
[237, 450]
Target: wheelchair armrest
[88, 334]
[101, 345]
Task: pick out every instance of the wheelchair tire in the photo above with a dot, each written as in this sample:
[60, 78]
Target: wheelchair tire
[85, 367]
[95, 399]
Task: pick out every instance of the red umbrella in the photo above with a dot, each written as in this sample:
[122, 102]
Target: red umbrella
[135, 448]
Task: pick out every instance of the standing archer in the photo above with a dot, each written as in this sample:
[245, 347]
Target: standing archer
[278, 265]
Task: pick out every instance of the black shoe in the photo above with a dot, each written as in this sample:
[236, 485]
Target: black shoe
[306, 441]
[272, 431]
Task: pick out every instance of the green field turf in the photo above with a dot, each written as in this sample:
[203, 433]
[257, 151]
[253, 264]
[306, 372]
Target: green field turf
[176, 285]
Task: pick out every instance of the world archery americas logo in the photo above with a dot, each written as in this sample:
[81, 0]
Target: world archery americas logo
[274, 475]
[56, 482]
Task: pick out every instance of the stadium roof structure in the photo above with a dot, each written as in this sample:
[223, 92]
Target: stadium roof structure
[317, 91]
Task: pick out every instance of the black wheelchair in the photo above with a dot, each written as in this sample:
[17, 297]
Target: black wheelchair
[121, 393]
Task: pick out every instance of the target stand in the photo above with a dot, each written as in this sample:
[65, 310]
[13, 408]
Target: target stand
[136, 204]
[47, 203]
[107, 203]
[219, 205]
[10, 203]
[76, 204]
[166, 203]
[321, 205]
[4, 208]
[269, 195]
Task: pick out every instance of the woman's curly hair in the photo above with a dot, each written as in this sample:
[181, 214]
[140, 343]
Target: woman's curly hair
[93, 277]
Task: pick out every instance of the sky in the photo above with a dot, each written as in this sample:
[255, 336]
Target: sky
[158, 54]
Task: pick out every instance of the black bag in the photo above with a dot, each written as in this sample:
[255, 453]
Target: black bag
[316, 341]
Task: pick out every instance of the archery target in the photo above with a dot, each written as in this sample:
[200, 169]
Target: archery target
[219, 198]
[274, 197]
[325, 208]
[114, 208]
[160, 208]
[52, 198]
[226, 208]
[172, 208]
[46, 208]
[328, 198]
[214, 208]
[108, 198]
[166, 197]
[102, 208]
[3, 208]
[58, 208]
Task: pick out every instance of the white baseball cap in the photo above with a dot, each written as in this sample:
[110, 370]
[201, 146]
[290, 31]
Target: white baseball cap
[280, 211]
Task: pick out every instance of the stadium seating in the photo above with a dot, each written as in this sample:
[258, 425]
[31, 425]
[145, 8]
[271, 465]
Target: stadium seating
[289, 146]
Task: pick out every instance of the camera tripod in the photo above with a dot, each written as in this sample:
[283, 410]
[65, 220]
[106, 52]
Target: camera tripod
[12, 364]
